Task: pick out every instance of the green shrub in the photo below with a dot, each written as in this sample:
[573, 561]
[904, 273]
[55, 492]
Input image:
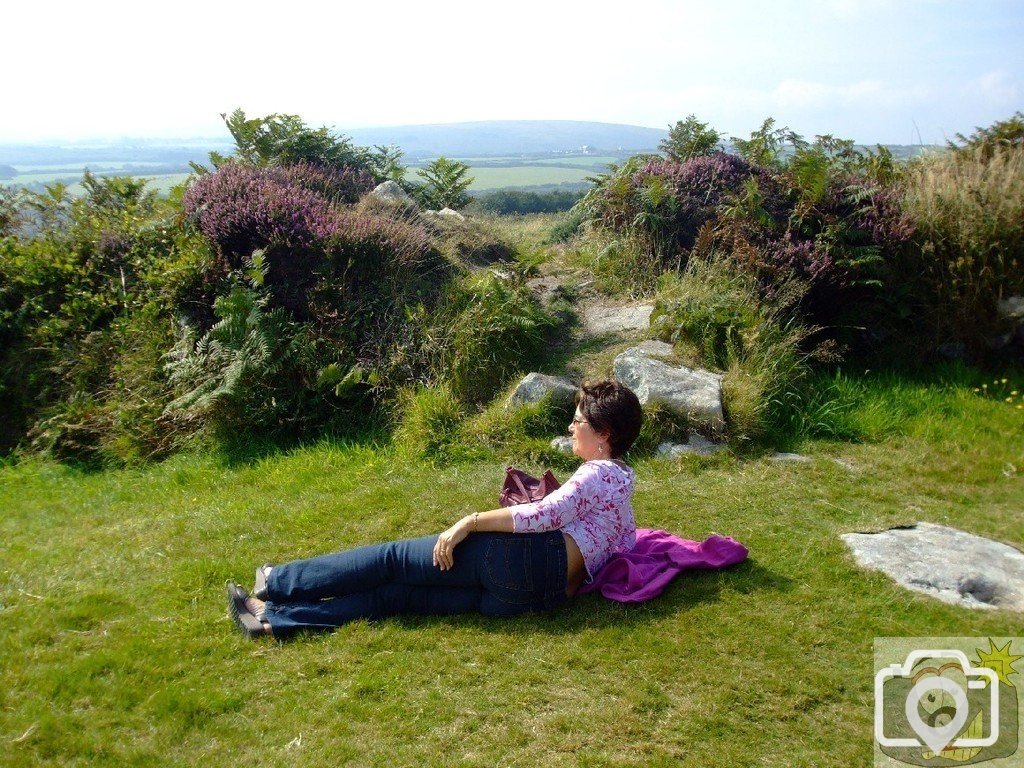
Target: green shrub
[713, 315]
[620, 265]
[227, 377]
[570, 225]
[429, 424]
[660, 424]
[521, 434]
[493, 327]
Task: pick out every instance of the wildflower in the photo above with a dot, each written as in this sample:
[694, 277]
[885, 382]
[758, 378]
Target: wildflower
[976, 389]
[1014, 393]
[1009, 399]
[1002, 381]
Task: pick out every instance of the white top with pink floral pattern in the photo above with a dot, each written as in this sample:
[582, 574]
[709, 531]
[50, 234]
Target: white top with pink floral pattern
[593, 507]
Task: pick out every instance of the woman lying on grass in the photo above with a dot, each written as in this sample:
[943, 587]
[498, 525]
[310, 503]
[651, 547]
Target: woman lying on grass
[511, 560]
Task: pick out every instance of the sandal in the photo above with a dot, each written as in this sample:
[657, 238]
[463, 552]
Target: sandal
[247, 623]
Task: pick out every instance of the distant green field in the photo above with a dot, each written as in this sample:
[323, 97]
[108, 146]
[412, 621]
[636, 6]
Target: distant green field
[164, 183]
[484, 178]
[520, 176]
[595, 162]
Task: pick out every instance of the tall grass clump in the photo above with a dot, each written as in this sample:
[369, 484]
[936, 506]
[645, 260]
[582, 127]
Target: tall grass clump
[493, 328]
[968, 207]
[429, 423]
[714, 316]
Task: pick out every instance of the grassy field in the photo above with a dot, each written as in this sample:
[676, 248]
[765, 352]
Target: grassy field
[485, 177]
[115, 647]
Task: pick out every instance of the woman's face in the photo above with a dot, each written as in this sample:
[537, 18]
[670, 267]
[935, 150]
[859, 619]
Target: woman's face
[586, 443]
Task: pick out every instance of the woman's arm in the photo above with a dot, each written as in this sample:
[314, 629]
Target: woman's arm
[493, 520]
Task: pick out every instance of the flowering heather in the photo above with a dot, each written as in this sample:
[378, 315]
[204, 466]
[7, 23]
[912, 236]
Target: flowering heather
[242, 209]
[340, 186]
[702, 181]
[682, 197]
[882, 218]
[393, 240]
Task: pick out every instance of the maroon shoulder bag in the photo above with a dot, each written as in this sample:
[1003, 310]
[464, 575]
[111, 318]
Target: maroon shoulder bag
[521, 488]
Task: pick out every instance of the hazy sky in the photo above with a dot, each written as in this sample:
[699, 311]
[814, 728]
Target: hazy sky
[870, 70]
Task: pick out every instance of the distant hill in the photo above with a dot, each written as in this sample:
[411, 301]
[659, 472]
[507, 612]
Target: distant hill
[505, 137]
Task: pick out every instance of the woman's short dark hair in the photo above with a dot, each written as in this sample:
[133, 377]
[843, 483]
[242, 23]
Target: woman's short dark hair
[613, 409]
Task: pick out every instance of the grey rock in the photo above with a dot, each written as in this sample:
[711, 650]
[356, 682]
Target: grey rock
[535, 386]
[695, 445]
[948, 564]
[793, 457]
[655, 349]
[391, 192]
[1012, 308]
[600, 319]
[451, 213]
[563, 444]
[691, 391]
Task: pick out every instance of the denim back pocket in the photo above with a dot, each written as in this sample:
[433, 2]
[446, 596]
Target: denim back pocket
[509, 566]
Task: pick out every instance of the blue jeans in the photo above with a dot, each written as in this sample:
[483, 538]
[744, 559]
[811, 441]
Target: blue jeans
[497, 574]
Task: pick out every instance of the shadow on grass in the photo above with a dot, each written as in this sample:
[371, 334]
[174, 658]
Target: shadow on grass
[593, 611]
[246, 450]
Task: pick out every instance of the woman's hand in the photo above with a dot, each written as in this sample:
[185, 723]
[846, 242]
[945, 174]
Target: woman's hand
[444, 549]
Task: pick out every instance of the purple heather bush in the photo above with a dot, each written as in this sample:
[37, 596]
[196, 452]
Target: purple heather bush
[339, 185]
[242, 209]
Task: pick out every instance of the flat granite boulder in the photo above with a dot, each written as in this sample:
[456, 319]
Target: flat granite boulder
[695, 445]
[951, 565]
[693, 392]
[599, 319]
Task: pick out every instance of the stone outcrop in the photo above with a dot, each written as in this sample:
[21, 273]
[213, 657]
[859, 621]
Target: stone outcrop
[599, 320]
[945, 563]
[563, 444]
[695, 445]
[445, 213]
[391, 192]
[536, 386]
[693, 392]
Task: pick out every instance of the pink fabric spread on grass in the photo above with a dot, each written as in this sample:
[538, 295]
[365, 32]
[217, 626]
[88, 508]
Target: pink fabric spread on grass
[656, 559]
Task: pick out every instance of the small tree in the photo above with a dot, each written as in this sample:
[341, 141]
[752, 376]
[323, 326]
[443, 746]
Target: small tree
[690, 138]
[446, 185]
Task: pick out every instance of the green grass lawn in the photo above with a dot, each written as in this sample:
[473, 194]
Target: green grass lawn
[115, 648]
